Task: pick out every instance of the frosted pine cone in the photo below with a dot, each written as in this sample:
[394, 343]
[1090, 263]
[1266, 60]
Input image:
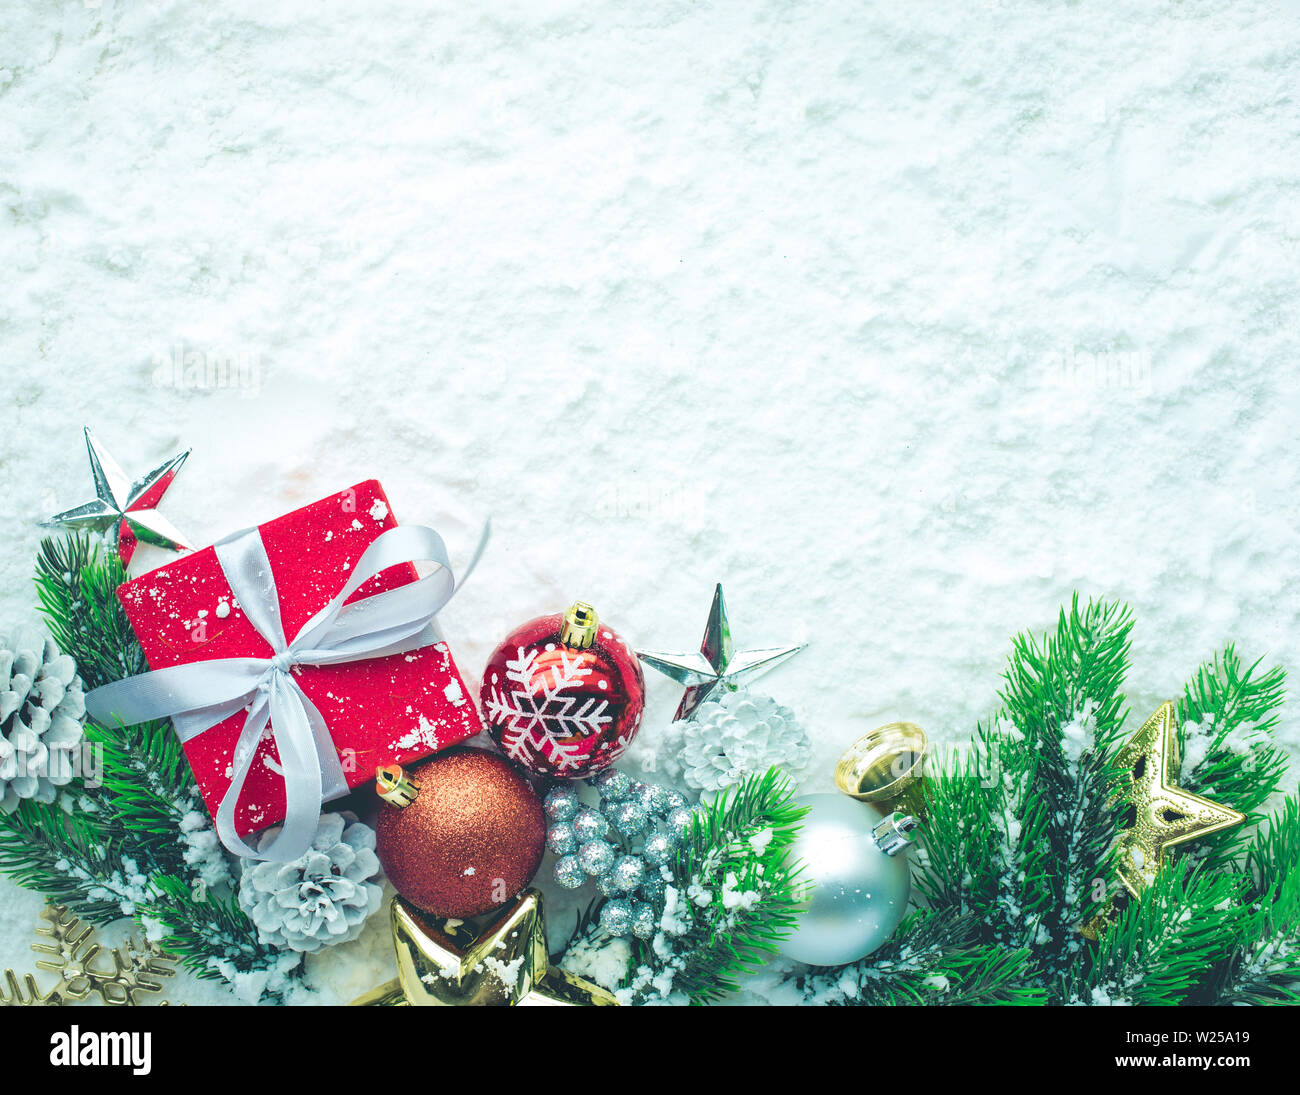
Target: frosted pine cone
[737, 735]
[42, 716]
[321, 899]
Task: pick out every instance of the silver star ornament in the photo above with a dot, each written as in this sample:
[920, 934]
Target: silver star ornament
[718, 663]
[123, 511]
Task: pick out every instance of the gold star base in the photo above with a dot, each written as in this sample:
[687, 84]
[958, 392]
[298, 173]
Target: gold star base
[504, 964]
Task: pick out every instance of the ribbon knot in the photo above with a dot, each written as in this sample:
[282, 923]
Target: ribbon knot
[281, 662]
[199, 695]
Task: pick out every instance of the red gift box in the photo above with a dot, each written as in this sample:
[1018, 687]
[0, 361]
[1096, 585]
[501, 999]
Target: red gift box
[390, 710]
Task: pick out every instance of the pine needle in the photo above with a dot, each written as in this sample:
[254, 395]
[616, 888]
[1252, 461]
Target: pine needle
[136, 841]
[738, 845]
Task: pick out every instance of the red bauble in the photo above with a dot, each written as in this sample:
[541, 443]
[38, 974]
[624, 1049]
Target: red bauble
[471, 839]
[563, 695]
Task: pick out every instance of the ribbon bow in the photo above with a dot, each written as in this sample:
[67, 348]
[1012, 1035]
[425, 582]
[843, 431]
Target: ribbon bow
[200, 695]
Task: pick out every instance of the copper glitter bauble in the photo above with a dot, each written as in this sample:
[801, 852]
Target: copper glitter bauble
[563, 695]
[470, 841]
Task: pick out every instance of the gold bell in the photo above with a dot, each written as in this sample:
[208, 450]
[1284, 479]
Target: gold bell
[395, 786]
[886, 768]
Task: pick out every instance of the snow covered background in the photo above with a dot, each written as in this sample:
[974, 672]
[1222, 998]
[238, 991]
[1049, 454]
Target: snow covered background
[903, 320]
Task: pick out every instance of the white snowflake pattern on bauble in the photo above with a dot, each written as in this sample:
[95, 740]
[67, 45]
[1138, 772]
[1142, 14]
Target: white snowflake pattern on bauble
[539, 718]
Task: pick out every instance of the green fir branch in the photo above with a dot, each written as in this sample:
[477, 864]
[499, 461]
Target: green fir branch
[1018, 836]
[1064, 694]
[930, 960]
[1230, 755]
[1273, 862]
[733, 899]
[1158, 950]
[67, 858]
[147, 792]
[135, 841]
[984, 853]
[1264, 968]
[145, 786]
[955, 854]
[76, 585]
[212, 936]
[1050, 680]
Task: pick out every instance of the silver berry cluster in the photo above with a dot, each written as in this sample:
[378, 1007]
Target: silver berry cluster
[625, 845]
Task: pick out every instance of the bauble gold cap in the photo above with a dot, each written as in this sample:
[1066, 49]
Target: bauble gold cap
[580, 626]
[395, 786]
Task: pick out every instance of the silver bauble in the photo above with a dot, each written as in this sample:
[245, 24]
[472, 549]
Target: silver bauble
[659, 848]
[858, 894]
[608, 886]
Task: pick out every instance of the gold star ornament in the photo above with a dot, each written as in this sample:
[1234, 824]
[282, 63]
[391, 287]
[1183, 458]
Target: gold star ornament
[1161, 813]
[505, 964]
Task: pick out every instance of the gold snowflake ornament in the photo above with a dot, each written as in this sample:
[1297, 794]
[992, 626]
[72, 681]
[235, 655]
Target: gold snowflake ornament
[70, 949]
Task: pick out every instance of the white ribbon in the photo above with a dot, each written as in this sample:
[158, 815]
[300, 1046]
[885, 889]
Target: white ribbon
[200, 695]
